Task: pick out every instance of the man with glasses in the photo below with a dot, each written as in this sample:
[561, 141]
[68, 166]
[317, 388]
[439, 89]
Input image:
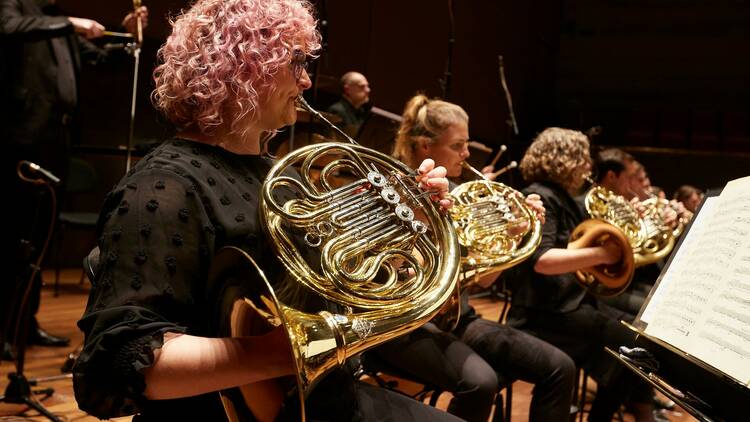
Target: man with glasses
[354, 105]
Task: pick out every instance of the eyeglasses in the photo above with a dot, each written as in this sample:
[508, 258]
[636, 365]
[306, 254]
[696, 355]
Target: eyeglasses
[299, 63]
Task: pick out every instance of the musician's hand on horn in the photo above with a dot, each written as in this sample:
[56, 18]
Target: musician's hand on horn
[669, 216]
[130, 22]
[636, 203]
[433, 179]
[534, 201]
[611, 252]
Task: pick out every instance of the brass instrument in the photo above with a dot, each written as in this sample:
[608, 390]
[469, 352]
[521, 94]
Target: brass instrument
[364, 263]
[642, 239]
[486, 215]
[497, 228]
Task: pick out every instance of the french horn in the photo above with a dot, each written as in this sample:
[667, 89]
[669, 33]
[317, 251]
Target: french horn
[362, 263]
[642, 239]
[496, 227]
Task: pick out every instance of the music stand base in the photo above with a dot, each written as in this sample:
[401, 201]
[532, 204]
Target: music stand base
[19, 391]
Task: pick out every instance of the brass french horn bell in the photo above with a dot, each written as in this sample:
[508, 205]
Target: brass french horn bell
[603, 280]
[643, 240]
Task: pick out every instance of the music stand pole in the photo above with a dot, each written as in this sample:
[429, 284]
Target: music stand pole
[136, 52]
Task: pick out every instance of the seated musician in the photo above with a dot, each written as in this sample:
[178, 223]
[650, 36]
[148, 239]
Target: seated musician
[548, 300]
[229, 76]
[689, 196]
[619, 172]
[466, 361]
[354, 105]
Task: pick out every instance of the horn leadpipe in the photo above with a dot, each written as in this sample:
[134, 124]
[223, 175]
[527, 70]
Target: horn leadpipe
[302, 103]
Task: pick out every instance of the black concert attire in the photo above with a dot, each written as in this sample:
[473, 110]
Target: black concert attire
[353, 118]
[477, 358]
[39, 59]
[158, 232]
[555, 308]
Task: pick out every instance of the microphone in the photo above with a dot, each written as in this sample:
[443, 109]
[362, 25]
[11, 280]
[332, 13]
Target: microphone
[36, 168]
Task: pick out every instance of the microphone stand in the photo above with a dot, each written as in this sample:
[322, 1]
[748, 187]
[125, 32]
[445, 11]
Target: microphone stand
[18, 390]
[445, 83]
[323, 21]
[512, 121]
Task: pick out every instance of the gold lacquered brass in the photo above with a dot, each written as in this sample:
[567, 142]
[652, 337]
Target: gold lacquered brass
[642, 239]
[496, 227]
[363, 263]
[489, 218]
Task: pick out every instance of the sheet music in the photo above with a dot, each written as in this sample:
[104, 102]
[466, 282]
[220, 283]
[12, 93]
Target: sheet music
[702, 303]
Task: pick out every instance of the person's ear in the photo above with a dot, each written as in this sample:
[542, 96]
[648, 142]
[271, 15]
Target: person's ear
[423, 143]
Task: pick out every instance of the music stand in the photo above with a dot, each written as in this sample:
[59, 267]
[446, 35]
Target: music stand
[685, 324]
[379, 130]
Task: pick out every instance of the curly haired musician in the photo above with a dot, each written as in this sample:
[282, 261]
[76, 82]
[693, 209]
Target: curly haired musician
[229, 76]
[469, 360]
[548, 300]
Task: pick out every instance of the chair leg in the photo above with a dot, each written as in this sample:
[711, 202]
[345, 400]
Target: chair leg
[500, 409]
[508, 401]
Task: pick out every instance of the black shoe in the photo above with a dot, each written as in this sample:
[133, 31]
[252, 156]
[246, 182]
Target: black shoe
[8, 352]
[39, 337]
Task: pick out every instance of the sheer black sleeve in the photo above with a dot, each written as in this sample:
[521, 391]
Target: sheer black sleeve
[155, 240]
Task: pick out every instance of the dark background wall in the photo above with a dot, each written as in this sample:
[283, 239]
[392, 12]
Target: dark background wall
[667, 80]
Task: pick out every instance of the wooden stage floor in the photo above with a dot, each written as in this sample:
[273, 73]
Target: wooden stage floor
[58, 315]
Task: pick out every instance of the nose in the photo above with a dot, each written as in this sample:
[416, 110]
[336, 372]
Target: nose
[304, 81]
[465, 151]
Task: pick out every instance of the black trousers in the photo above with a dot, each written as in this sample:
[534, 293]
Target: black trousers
[474, 361]
[339, 398]
[583, 334]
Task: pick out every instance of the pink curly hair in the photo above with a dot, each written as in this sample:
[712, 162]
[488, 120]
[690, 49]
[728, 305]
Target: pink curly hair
[222, 56]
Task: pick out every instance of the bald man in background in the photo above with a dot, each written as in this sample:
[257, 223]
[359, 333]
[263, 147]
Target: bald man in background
[354, 105]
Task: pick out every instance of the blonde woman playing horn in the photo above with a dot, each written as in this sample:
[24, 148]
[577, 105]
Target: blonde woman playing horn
[469, 360]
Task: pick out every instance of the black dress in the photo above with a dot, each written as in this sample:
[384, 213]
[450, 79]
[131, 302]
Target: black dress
[158, 232]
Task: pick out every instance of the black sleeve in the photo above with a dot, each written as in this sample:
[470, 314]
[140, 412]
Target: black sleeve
[13, 22]
[550, 227]
[155, 240]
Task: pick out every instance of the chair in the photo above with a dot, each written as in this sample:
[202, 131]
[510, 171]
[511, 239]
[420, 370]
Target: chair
[81, 178]
[90, 265]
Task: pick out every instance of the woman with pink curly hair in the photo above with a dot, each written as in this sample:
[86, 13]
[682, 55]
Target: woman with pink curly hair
[229, 77]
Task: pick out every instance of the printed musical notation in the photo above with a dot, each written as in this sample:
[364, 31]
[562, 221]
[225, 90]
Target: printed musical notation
[701, 304]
